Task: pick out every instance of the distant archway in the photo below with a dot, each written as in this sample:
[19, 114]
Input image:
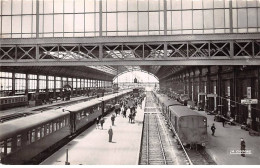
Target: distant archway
[140, 75]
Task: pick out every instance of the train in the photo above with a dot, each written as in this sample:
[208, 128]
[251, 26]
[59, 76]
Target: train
[13, 101]
[189, 125]
[23, 139]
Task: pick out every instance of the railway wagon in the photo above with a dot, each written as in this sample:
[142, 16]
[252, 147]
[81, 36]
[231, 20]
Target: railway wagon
[24, 138]
[190, 126]
[165, 102]
[13, 101]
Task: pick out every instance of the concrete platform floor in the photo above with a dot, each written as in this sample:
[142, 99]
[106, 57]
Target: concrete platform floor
[228, 138]
[92, 146]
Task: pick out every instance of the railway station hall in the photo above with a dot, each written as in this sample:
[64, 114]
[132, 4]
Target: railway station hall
[130, 82]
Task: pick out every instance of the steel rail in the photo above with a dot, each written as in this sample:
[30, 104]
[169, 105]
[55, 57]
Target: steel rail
[147, 140]
[186, 154]
[160, 139]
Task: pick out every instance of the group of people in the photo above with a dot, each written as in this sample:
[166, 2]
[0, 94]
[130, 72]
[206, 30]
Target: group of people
[124, 106]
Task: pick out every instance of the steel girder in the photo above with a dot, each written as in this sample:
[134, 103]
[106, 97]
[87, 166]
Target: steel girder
[217, 49]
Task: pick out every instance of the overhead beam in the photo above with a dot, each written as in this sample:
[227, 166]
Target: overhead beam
[130, 39]
[133, 62]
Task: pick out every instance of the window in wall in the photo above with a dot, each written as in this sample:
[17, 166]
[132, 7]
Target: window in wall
[219, 18]
[197, 19]
[78, 83]
[74, 83]
[187, 22]
[208, 19]
[20, 83]
[122, 21]
[42, 82]
[32, 82]
[58, 83]
[51, 82]
[132, 21]
[6, 81]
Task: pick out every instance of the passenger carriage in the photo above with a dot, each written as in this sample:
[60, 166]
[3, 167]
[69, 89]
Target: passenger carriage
[13, 101]
[24, 138]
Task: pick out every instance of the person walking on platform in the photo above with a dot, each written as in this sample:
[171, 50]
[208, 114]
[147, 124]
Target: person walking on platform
[117, 108]
[102, 122]
[130, 117]
[133, 117]
[124, 111]
[223, 122]
[110, 133]
[243, 147]
[213, 128]
[97, 123]
[113, 119]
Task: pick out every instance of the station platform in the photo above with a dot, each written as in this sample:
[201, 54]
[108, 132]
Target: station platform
[228, 138]
[34, 109]
[92, 147]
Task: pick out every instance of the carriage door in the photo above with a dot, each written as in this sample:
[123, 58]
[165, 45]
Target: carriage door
[72, 122]
[103, 108]
[175, 123]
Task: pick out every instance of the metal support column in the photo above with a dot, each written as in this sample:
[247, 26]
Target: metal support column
[26, 84]
[165, 16]
[100, 18]
[230, 17]
[219, 89]
[13, 83]
[54, 87]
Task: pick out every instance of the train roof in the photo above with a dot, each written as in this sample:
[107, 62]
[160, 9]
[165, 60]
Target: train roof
[181, 111]
[14, 127]
[7, 97]
[93, 102]
[167, 100]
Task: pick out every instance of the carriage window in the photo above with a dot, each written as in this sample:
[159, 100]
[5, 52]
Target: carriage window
[78, 116]
[2, 150]
[9, 101]
[42, 131]
[54, 127]
[33, 135]
[61, 123]
[64, 121]
[50, 128]
[9, 146]
[28, 138]
[82, 114]
[5, 101]
[47, 129]
[18, 141]
[58, 125]
[67, 121]
[38, 133]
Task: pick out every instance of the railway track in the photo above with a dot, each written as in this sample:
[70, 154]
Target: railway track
[158, 148]
[154, 146]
